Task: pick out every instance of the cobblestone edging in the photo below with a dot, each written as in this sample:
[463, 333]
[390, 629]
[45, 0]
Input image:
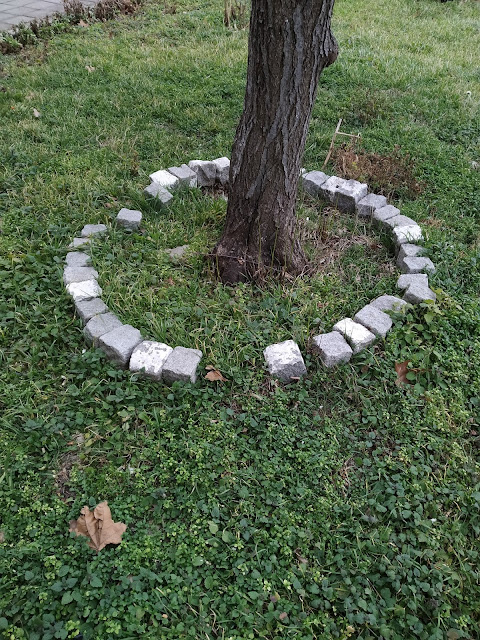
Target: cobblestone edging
[125, 346]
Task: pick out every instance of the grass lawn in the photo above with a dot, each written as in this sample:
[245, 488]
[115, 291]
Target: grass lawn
[344, 506]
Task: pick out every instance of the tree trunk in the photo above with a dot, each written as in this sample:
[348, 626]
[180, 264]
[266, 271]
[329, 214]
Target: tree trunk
[290, 44]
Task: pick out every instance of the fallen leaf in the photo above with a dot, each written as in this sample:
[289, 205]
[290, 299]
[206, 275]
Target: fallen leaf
[89, 68]
[2, 537]
[36, 113]
[402, 370]
[82, 24]
[215, 376]
[98, 526]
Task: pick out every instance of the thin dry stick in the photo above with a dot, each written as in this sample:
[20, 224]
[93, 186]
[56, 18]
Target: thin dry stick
[332, 143]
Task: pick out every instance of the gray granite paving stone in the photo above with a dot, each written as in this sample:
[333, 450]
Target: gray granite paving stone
[161, 195]
[357, 336]
[78, 274]
[285, 361]
[129, 219]
[367, 205]
[206, 172]
[406, 279]
[119, 344]
[185, 175]
[78, 243]
[349, 194]
[77, 259]
[177, 252]
[223, 170]
[417, 264]
[379, 216]
[181, 365]
[165, 179]
[408, 250]
[86, 309]
[90, 230]
[408, 234]
[398, 221]
[148, 359]
[84, 290]
[374, 320]
[388, 303]
[312, 181]
[332, 348]
[99, 325]
[417, 293]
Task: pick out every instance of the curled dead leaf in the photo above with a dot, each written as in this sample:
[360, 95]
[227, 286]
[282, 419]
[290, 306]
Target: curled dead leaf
[98, 526]
[36, 113]
[402, 369]
[215, 376]
[89, 68]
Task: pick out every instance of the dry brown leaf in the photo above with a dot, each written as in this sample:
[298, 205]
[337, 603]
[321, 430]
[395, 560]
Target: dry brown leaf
[89, 68]
[2, 537]
[215, 376]
[402, 369]
[36, 113]
[82, 24]
[98, 526]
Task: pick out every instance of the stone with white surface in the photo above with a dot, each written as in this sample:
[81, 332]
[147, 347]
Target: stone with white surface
[380, 216]
[409, 234]
[206, 172]
[185, 175]
[223, 170]
[349, 194]
[99, 325]
[312, 181]
[129, 219]
[406, 279]
[408, 250]
[85, 290]
[148, 359]
[357, 336]
[388, 303]
[367, 205]
[86, 309]
[181, 365]
[90, 230]
[285, 361]
[159, 193]
[417, 264]
[344, 194]
[374, 320]
[78, 243]
[165, 179]
[418, 292]
[398, 221]
[177, 252]
[78, 274]
[119, 344]
[77, 259]
[332, 348]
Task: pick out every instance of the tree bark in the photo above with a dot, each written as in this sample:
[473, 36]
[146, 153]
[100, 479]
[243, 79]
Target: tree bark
[290, 44]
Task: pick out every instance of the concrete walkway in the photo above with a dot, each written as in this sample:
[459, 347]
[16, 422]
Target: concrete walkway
[13, 12]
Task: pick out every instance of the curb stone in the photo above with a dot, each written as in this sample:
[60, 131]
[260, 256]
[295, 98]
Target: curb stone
[124, 345]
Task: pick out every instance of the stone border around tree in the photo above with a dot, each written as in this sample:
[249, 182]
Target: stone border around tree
[124, 344]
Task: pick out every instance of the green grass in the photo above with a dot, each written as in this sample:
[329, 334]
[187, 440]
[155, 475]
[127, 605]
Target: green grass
[340, 507]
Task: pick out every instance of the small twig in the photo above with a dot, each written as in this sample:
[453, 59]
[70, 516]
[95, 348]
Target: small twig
[332, 143]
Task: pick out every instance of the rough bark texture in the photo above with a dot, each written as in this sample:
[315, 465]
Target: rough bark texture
[290, 44]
